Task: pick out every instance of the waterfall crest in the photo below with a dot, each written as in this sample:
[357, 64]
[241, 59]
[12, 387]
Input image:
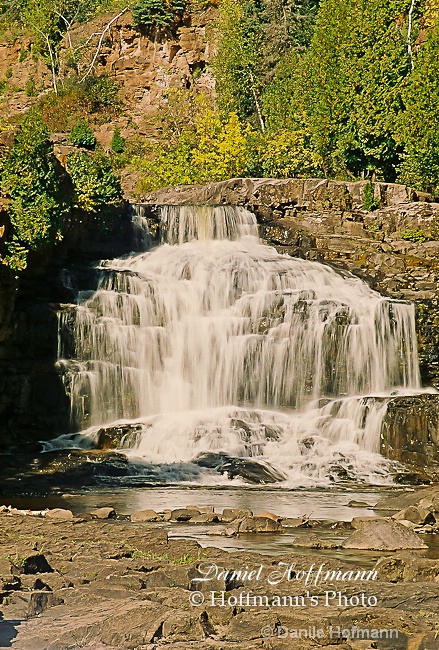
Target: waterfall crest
[216, 342]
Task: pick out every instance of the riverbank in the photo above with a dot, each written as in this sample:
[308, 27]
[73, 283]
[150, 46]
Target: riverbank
[82, 581]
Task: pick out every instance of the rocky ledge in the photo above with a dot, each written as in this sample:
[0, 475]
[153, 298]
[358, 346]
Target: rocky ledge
[101, 581]
[394, 246]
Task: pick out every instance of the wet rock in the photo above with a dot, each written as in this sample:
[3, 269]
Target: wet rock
[359, 504]
[268, 515]
[293, 523]
[118, 437]
[104, 513]
[59, 513]
[258, 525]
[68, 468]
[426, 497]
[357, 522]
[415, 514]
[410, 434]
[145, 515]
[383, 535]
[250, 470]
[230, 514]
[407, 524]
[206, 518]
[184, 514]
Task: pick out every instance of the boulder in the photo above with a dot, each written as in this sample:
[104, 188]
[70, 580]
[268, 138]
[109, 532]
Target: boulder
[293, 523]
[117, 437]
[145, 515]
[104, 513]
[407, 524]
[410, 433]
[59, 513]
[357, 522]
[183, 514]
[206, 518]
[231, 514]
[269, 515]
[258, 525]
[416, 514]
[407, 568]
[425, 497]
[249, 469]
[383, 535]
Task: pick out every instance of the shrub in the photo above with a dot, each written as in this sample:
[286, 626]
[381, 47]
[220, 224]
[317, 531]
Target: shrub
[82, 136]
[415, 235]
[156, 13]
[97, 96]
[117, 143]
[94, 182]
[34, 184]
[286, 154]
[370, 203]
[30, 88]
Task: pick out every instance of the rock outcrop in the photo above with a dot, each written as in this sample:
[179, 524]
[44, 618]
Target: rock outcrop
[33, 404]
[410, 430]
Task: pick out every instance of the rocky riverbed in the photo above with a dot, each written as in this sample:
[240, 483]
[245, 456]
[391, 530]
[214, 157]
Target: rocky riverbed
[105, 580]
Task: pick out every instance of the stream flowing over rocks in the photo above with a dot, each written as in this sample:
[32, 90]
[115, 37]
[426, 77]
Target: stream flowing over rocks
[114, 582]
[217, 357]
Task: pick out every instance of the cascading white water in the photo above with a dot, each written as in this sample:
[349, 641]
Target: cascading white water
[217, 343]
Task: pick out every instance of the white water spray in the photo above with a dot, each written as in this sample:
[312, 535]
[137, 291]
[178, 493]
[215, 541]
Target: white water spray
[217, 343]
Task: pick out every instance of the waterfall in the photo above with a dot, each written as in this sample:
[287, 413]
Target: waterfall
[215, 343]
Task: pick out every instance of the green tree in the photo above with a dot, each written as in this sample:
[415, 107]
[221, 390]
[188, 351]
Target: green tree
[349, 85]
[31, 178]
[82, 136]
[208, 147]
[419, 122]
[157, 13]
[117, 143]
[287, 27]
[239, 60]
[96, 187]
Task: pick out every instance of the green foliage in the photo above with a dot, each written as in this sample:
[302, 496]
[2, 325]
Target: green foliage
[420, 166]
[238, 60]
[222, 147]
[370, 203]
[415, 235]
[157, 13]
[94, 181]
[30, 88]
[97, 97]
[287, 27]
[82, 136]
[286, 154]
[8, 73]
[208, 148]
[30, 178]
[117, 143]
[349, 87]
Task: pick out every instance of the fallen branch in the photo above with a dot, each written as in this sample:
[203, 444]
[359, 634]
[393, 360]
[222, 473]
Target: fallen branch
[101, 40]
